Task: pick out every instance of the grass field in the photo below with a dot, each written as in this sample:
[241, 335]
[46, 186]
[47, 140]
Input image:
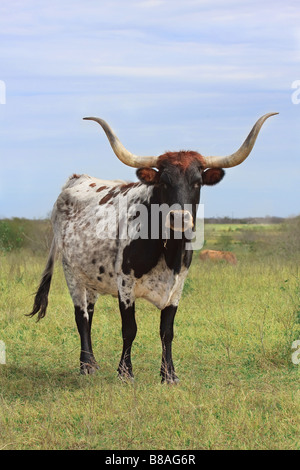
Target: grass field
[239, 388]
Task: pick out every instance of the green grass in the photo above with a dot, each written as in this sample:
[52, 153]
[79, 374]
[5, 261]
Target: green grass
[232, 351]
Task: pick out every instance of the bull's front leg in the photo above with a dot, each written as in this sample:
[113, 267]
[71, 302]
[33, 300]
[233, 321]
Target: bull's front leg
[129, 329]
[167, 370]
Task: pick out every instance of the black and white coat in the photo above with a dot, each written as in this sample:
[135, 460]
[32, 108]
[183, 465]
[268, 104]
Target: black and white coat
[125, 267]
[147, 266]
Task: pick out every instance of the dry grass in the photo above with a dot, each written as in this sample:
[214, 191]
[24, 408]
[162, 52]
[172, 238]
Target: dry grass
[232, 351]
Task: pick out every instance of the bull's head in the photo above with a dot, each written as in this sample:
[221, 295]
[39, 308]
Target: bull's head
[178, 176]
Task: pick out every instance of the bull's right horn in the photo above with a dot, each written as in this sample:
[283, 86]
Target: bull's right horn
[121, 152]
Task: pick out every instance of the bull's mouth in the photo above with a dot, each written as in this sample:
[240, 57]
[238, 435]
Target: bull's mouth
[179, 220]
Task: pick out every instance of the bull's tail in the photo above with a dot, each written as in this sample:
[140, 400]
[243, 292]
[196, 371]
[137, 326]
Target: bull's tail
[41, 297]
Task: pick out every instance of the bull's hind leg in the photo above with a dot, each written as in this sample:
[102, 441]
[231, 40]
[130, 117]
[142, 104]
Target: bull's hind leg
[88, 363]
[84, 301]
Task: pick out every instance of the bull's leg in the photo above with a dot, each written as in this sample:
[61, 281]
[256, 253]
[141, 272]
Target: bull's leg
[84, 301]
[129, 330]
[88, 363]
[167, 370]
[84, 317]
[87, 360]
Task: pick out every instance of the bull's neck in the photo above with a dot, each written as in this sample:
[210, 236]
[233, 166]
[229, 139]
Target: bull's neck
[173, 249]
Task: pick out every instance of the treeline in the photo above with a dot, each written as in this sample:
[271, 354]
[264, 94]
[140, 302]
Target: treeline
[17, 233]
[276, 239]
[245, 220]
[36, 235]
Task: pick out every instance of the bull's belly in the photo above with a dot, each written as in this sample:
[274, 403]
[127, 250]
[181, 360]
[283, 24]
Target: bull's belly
[99, 270]
[160, 286]
[161, 295]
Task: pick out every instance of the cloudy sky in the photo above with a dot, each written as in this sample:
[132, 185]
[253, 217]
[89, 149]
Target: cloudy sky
[166, 75]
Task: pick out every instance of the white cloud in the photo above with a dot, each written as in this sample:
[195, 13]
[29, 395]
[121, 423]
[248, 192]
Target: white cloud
[165, 74]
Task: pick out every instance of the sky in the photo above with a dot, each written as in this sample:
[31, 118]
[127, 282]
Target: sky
[166, 75]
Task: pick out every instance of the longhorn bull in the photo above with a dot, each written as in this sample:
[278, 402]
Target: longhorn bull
[130, 267]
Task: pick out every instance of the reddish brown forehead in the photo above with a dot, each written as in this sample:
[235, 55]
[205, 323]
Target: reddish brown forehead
[182, 159]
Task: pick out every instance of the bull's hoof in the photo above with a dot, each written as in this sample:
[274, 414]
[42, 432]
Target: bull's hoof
[170, 379]
[125, 374]
[89, 368]
[126, 379]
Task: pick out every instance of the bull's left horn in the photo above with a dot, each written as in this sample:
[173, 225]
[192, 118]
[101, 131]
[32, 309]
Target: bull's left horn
[121, 152]
[243, 152]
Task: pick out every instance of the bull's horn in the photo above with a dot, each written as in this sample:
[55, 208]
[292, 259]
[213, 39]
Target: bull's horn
[124, 155]
[242, 153]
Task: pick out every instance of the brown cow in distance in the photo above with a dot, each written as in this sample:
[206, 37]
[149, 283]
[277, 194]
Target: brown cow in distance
[218, 255]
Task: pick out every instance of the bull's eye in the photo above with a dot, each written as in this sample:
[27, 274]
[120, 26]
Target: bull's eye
[164, 185]
[196, 184]
[165, 181]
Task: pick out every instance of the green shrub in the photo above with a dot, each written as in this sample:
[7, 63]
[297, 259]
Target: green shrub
[11, 236]
[16, 233]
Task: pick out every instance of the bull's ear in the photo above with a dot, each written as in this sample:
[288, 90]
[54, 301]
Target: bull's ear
[212, 176]
[147, 175]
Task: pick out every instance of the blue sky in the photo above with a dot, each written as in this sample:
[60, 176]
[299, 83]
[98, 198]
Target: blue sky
[166, 75]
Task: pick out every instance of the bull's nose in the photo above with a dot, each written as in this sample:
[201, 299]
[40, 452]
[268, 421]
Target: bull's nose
[187, 217]
[172, 218]
[179, 220]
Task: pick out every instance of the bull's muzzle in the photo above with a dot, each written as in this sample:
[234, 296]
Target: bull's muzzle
[179, 220]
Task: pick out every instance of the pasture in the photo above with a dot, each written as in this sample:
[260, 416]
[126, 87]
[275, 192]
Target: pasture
[234, 328]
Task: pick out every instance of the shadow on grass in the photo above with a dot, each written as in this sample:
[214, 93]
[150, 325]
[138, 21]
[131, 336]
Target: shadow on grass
[34, 382]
